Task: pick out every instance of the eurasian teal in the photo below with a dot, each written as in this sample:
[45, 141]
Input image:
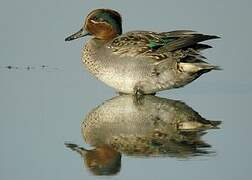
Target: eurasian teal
[141, 62]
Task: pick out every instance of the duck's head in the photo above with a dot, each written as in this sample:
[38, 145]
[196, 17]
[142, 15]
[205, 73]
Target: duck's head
[103, 24]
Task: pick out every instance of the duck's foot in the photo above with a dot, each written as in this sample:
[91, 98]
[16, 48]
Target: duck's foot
[138, 100]
[138, 95]
[122, 93]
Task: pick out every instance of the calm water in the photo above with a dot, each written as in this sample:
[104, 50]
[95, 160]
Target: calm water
[48, 100]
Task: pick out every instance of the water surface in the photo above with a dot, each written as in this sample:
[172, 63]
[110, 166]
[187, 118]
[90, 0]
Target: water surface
[46, 95]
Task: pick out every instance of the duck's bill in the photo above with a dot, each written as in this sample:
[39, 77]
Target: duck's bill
[79, 34]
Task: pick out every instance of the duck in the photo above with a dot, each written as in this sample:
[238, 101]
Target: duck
[141, 62]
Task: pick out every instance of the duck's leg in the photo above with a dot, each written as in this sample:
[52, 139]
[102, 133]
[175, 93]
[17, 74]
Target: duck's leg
[138, 89]
[142, 88]
[140, 93]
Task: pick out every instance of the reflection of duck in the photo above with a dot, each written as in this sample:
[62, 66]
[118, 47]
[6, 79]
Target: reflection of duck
[141, 61]
[149, 126]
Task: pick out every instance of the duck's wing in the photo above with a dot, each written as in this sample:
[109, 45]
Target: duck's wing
[159, 46]
[185, 39]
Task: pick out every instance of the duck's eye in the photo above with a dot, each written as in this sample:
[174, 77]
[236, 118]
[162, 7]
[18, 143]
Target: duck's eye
[101, 20]
[95, 19]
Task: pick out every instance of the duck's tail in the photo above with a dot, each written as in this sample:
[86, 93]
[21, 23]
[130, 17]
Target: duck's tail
[199, 125]
[202, 67]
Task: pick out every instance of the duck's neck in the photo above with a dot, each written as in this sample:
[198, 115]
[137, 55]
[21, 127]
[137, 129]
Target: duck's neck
[91, 55]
